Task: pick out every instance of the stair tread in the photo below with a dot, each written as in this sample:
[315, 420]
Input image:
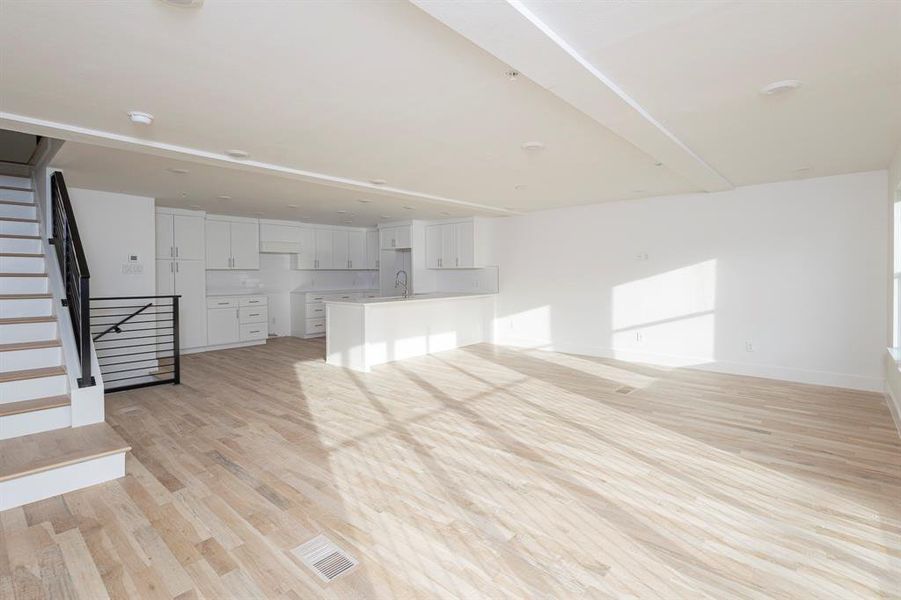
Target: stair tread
[32, 373]
[40, 452]
[15, 188]
[16, 203]
[21, 320]
[35, 345]
[18, 220]
[23, 296]
[14, 236]
[23, 274]
[27, 406]
[21, 255]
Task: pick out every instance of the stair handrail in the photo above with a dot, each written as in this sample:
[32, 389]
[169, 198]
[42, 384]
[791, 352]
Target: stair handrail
[76, 276]
[122, 322]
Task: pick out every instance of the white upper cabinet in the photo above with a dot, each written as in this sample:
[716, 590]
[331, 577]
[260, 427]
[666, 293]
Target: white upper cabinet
[306, 258]
[452, 245]
[323, 259]
[232, 243]
[394, 238]
[372, 249]
[165, 236]
[218, 245]
[179, 235]
[280, 237]
[339, 250]
[356, 249]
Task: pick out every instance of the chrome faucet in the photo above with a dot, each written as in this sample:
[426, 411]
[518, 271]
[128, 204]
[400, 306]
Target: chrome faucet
[397, 282]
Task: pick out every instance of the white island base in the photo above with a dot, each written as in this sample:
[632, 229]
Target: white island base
[362, 334]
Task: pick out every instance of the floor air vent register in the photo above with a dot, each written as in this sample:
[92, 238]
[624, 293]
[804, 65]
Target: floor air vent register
[326, 559]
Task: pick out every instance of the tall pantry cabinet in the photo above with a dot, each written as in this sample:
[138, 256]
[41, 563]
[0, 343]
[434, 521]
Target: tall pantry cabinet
[181, 269]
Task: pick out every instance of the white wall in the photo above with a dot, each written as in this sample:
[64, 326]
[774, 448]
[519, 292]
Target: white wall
[796, 269]
[113, 226]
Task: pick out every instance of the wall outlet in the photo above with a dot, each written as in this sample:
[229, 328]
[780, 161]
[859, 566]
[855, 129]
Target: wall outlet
[639, 337]
[641, 256]
[132, 269]
[749, 347]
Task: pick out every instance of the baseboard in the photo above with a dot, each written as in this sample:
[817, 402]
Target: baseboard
[222, 347]
[45, 484]
[826, 378]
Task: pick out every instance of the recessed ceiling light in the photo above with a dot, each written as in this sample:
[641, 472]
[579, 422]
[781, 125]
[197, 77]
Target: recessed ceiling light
[385, 216]
[193, 206]
[445, 213]
[234, 153]
[363, 201]
[184, 3]
[408, 208]
[291, 205]
[224, 197]
[341, 212]
[532, 146]
[347, 221]
[377, 181]
[184, 194]
[177, 171]
[140, 118]
[519, 187]
[779, 87]
[802, 169]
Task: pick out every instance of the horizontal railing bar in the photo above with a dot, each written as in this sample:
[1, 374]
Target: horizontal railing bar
[117, 306]
[146, 312]
[133, 353]
[140, 329]
[130, 369]
[134, 346]
[132, 322]
[134, 297]
[137, 360]
[137, 377]
[135, 386]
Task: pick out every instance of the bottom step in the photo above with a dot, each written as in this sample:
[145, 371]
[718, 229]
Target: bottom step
[46, 464]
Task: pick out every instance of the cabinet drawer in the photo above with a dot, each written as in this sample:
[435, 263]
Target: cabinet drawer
[253, 314]
[315, 297]
[315, 326]
[342, 297]
[316, 311]
[253, 331]
[221, 302]
[253, 301]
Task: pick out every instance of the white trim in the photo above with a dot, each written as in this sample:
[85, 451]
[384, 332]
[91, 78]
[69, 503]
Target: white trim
[108, 139]
[827, 378]
[38, 486]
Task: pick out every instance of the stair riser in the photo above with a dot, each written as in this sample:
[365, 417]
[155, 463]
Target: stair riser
[22, 264]
[18, 228]
[31, 488]
[20, 245]
[35, 422]
[32, 307]
[23, 285]
[16, 195]
[27, 332]
[29, 389]
[17, 211]
[32, 358]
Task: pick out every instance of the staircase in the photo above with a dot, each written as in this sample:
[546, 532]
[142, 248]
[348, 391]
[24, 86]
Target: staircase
[41, 453]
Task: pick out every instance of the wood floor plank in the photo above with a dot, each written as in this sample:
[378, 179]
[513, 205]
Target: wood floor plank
[480, 472]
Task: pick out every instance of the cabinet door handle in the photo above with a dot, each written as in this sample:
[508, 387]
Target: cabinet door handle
[176, 252]
[176, 267]
[222, 303]
[253, 314]
[376, 263]
[172, 267]
[350, 264]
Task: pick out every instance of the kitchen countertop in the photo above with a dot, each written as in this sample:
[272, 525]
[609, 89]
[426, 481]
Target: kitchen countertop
[337, 291]
[238, 292]
[413, 298]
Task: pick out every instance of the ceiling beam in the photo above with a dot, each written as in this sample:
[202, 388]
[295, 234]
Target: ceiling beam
[516, 36]
[106, 139]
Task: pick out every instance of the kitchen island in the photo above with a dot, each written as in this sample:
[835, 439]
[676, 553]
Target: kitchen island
[370, 331]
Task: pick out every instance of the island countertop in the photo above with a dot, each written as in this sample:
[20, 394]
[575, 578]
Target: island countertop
[413, 298]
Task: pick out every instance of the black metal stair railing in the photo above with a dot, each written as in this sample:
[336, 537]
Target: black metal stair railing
[74, 270]
[136, 340]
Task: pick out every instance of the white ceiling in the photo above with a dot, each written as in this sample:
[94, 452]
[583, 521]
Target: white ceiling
[362, 90]
[252, 194]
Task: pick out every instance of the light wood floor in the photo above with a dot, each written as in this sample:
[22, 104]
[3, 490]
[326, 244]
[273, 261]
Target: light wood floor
[481, 472]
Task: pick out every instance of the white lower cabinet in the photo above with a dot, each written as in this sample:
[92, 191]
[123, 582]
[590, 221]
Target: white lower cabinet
[186, 278]
[237, 319]
[308, 309]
